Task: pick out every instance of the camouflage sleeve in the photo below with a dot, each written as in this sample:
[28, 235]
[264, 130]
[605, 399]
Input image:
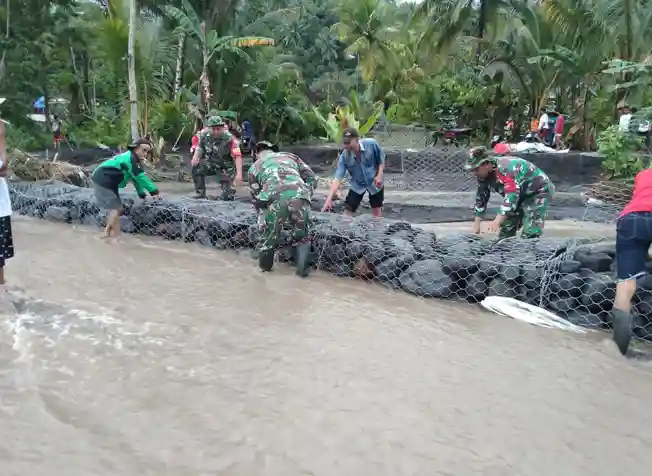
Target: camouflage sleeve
[201, 144]
[511, 179]
[307, 174]
[482, 194]
[254, 185]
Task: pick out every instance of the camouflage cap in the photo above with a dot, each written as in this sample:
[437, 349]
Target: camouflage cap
[265, 145]
[477, 156]
[214, 121]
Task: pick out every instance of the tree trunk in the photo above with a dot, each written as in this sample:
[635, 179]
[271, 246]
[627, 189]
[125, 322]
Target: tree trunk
[204, 84]
[178, 72]
[131, 65]
[88, 86]
[78, 103]
[482, 25]
[46, 106]
[4, 53]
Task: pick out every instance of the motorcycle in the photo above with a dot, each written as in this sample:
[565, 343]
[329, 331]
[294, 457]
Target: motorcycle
[459, 137]
[245, 145]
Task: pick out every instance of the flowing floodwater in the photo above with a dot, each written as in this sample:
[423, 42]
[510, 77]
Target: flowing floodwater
[154, 358]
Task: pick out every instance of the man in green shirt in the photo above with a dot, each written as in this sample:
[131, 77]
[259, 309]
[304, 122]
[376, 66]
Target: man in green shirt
[114, 174]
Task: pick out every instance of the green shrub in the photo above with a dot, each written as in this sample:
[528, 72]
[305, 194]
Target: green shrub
[28, 139]
[619, 151]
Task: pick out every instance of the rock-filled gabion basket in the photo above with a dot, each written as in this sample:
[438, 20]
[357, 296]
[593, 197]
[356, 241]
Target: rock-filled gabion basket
[574, 278]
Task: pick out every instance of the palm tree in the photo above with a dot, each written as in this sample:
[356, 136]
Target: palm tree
[447, 20]
[131, 65]
[363, 28]
[210, 44]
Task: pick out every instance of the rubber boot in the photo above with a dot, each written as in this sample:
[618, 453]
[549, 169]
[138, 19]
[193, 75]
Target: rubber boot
[228, 192]
[622, 325]
[301, 259]
[200, 186]
[266, 260]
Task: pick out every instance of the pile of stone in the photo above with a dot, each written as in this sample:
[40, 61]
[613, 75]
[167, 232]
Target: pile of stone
[572, 277]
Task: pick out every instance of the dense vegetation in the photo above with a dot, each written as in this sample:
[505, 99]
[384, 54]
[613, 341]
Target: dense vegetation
[284, 63]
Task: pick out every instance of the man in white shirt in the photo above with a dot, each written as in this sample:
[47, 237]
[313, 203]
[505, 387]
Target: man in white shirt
[6, 237]
[625, 119]
[544, 126]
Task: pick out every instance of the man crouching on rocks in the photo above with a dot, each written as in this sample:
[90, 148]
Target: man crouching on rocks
[281, 186]
[114, 174]
[526, 189]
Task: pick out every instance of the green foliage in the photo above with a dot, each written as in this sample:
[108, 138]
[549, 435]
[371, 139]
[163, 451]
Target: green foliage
[618, 149]
[27, 139]
[344, 116]
[285, 65]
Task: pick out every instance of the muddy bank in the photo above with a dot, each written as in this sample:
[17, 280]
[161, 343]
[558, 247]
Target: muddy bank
[571, 277]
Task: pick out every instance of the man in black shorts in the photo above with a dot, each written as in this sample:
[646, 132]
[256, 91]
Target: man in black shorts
[633, 240]
[364, 160]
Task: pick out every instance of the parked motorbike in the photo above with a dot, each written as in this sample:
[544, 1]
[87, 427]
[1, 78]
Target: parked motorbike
[458, 137]
[245, 145]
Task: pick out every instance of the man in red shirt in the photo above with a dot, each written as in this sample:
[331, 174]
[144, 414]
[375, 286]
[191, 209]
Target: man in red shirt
[559, 131]
[633, 239]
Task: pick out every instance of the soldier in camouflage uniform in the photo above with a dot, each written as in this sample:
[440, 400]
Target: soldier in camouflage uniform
[526, 189]
[218, 153]
[281, 186]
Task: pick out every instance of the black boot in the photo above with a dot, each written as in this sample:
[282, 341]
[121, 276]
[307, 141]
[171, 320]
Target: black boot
[622, 324]
[302, 259]
[266, 260]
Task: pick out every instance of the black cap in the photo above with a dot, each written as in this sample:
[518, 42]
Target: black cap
[348, 134]
[137, 142]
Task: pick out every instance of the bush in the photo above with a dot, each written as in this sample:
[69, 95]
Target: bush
[28, 139]
[619, 151]
[105, 128]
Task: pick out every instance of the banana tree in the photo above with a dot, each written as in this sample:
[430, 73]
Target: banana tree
[210, 43]
[334, 124]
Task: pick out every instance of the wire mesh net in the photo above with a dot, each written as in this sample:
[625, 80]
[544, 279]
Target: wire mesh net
[424, 161]
[571, 277]
[606, 199]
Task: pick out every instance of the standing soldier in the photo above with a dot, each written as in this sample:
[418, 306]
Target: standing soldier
[281, 186]
[218, 153]
[526, 189]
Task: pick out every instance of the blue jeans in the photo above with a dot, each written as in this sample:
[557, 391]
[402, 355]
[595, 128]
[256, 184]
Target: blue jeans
[633, 240]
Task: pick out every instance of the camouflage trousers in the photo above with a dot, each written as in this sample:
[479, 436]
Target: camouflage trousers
[530, 216]
[225, 174]
[289, 212]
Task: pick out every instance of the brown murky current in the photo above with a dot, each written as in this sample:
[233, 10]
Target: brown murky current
[154, 358]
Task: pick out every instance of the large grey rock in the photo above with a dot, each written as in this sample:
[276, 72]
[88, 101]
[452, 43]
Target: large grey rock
[427, 278]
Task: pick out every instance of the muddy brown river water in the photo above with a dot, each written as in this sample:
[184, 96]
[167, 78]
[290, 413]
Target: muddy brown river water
[154, 358]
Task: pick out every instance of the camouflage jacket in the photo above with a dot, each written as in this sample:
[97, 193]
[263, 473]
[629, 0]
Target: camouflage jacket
[280, 172]
[219, 150]
[513, 178]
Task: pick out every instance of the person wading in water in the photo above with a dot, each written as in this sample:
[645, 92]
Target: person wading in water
[114, 174]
